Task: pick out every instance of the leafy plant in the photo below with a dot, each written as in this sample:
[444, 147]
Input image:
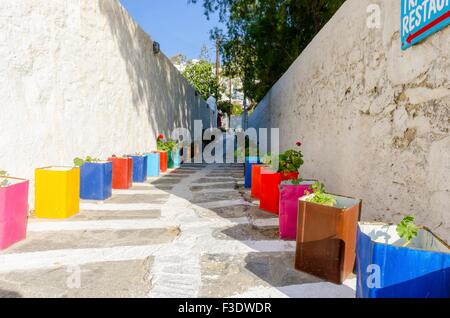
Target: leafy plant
[164, 145]
[78, 162]
[407, 230]
[291, 160]
[267, 159]
[4, 182]
[320, 197]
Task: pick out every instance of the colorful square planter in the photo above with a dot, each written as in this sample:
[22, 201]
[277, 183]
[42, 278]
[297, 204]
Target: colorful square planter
[386, 269]
[326, 238]
[122, 172]
[163, 161]
[249, 163]
[13, 211]
[96, 180]
[153, 165]
[256, 180]
[289, 196]
[270, 193]
[139, 168]
[57, 192]
[175, 158]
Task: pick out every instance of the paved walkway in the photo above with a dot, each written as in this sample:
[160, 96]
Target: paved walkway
[193, 232]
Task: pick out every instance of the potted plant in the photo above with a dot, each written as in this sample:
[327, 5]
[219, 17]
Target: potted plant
[122, 172]
[13, 209]
[290, 192]
[401, 261]
[174, 158]
[57, 192]
[153, 164]
[326, 234]
[164, 153]
[95, 178]
[139, 167]
[289, 163]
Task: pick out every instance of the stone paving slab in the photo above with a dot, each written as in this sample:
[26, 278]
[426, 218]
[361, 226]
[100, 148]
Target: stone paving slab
[102, 280]
[139, 198]
[111, 215]
[229, 275]
[210, 197]
[61, 240]
[244, 232]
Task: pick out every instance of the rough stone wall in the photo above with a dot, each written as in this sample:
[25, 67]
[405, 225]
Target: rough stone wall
[374, 120]
[79, 77]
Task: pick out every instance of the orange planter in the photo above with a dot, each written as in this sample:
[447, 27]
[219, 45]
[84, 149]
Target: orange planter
[270, 192]
[122, 173]
[256, 180]
[164, 160]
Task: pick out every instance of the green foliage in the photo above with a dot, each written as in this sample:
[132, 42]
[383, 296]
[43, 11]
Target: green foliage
[78, 162]
[201, 76]
[262, 38]
[267, 159]
[166, 145]
[4, 182]
[237, 109]
[320, 197]
[291, 161]
[407, 230]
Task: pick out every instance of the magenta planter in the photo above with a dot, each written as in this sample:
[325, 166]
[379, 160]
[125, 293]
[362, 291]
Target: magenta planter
[289, 196]
[13, 212]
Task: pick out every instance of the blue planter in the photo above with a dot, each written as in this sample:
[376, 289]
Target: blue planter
[176, 159]
[249, 162]
[384, 270]
[153, 165]
[96, 181]
[139, 168]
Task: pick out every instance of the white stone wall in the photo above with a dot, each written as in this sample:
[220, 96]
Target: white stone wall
[79, 77]
[374, 120]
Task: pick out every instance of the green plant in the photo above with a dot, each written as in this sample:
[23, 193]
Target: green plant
[78, 162]
[267, 159]
[407, 230]
[320, 197]
[4, 182]
[164, 145]
[291, 160]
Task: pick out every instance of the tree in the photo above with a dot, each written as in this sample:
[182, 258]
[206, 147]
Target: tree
[264, 37]
[178, 59]
[201, 76]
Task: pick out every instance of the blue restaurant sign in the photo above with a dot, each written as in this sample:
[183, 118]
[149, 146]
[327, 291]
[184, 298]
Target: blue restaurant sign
[421, 18]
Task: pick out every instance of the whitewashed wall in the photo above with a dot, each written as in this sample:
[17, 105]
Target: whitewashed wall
[374, 120]
[79, 77]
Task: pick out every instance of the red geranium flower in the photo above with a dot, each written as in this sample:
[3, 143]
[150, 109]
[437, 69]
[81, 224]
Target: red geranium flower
[298, 143]
[160, 137]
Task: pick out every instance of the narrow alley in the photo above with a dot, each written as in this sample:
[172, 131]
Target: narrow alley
[193, 232]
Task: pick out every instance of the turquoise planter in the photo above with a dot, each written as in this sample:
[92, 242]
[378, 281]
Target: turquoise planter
[176, 159]
[153, 164]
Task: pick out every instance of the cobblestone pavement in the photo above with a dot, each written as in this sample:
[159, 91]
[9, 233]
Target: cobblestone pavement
[193, 232]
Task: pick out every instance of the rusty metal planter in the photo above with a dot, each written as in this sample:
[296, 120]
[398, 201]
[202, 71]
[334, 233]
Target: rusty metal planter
[326, 238]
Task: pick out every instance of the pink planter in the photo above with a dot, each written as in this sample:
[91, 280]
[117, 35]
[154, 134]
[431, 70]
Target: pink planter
[289, 196]
[13, 212]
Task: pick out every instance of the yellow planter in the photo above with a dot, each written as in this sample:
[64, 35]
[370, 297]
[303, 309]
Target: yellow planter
[57, 191]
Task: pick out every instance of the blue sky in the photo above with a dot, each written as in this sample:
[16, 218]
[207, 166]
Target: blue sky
[178, 26]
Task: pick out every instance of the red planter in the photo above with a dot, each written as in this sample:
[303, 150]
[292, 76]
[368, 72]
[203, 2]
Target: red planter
[122, 173]
[270, 193]
[256, 180]
[163, 161]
